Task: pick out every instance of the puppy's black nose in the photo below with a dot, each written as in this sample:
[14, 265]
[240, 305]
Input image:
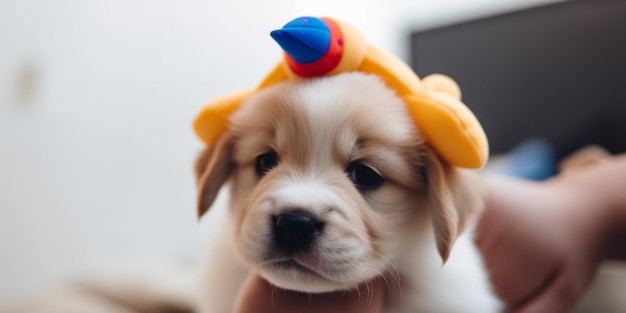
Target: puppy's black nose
[295, 231]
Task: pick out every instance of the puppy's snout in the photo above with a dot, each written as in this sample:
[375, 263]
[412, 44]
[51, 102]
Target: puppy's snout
[295, 231]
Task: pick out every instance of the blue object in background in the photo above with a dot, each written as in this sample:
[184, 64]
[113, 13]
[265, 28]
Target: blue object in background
[532, 159]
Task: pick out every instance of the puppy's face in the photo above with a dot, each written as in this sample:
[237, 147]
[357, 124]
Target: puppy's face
[330, 180]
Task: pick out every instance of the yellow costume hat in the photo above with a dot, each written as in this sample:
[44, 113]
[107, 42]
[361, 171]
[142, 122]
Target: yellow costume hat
[323, 46]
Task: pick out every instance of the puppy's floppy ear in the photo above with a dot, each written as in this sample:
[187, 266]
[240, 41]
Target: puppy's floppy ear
[454, 196]
[212, 168]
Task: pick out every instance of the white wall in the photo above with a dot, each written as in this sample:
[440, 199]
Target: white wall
[96, 101]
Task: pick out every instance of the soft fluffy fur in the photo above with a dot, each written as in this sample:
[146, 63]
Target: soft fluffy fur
[404, 230]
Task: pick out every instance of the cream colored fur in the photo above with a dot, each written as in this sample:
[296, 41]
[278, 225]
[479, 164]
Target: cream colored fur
[415, 229]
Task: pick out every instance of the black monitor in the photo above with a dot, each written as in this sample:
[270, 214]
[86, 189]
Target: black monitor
[557, 72]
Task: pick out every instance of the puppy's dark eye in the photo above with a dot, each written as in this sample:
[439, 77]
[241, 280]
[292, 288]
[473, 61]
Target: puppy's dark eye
[363, 176]
[265, 162]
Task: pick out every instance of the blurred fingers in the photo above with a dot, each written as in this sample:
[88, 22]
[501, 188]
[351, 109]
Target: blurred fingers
[558, 297]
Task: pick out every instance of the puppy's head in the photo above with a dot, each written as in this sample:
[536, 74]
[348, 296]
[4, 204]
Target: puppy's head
[330, 181]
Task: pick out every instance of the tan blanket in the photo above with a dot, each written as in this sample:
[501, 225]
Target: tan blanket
[120, 289]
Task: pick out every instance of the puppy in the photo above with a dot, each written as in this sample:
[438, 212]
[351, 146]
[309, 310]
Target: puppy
[330, 184]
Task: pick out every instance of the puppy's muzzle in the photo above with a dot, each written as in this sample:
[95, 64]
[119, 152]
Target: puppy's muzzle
[295, 231]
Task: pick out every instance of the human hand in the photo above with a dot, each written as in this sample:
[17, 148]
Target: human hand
[258, 296]
[541, 243]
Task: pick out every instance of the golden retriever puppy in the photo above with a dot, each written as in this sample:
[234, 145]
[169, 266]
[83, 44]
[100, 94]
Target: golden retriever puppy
[330, 185]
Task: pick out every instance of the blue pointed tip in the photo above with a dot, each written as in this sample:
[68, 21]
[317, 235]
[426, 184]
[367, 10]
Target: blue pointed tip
[305, 39]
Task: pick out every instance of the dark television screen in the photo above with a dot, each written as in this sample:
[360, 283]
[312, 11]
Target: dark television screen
[557, 72]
